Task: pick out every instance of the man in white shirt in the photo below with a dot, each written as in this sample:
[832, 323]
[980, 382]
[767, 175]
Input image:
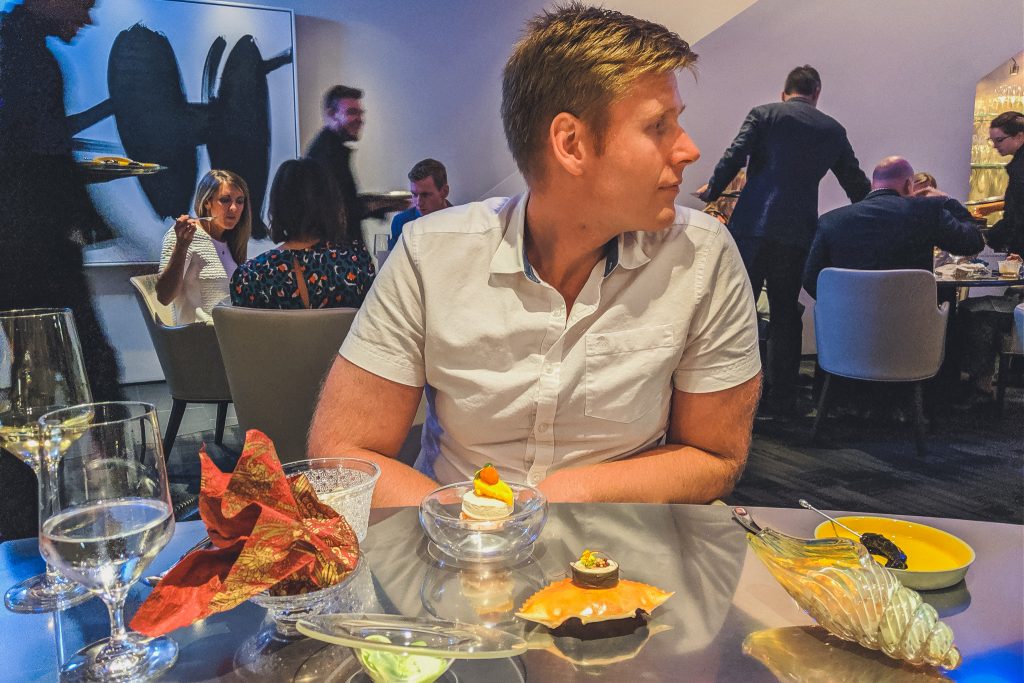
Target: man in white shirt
[588, 337]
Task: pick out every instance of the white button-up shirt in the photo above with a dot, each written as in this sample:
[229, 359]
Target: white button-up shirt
[516, 380]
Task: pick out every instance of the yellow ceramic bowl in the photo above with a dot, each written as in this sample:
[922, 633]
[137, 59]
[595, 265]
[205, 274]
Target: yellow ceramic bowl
[935, 559]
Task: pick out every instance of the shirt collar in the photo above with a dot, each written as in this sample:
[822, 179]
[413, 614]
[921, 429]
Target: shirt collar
[883, 191]
[510, 257]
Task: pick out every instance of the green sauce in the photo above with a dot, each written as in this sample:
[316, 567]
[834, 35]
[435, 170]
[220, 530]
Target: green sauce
[388, 667]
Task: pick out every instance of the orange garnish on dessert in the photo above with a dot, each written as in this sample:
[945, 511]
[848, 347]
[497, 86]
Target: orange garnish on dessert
[489, 475]
[488, 484]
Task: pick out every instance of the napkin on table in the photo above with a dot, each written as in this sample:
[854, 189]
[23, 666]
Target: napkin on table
[269, 533]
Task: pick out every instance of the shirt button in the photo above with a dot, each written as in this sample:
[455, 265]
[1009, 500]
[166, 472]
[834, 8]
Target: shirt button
[548, 369]
[532, 478]
[543, 428]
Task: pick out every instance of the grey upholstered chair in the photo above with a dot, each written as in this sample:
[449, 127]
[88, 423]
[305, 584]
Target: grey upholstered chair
[879, 325]
[1011, 360]
[276, 361]
[190, 358]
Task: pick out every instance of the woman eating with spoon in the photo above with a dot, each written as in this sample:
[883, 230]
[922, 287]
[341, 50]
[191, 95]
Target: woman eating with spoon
[200, 254]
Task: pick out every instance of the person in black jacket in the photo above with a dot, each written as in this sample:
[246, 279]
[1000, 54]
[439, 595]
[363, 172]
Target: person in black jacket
[1006, 134]
[788, 147]
[983, 321]
[343, 122]
[891, 228]
[45, 212]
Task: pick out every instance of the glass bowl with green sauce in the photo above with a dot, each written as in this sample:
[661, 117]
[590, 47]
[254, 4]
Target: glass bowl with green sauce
[396, 649]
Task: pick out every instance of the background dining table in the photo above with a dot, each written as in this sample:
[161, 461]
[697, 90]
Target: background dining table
[728, 620]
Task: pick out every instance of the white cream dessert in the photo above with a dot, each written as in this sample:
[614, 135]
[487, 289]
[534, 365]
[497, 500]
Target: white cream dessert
[480, 507]
[491, 499]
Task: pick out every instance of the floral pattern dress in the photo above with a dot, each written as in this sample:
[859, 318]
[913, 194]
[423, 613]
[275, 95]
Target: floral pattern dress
[337, 276]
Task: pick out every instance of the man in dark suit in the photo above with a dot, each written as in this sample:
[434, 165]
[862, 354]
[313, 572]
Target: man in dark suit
[788, 147]
[891, 229]
[343, 122]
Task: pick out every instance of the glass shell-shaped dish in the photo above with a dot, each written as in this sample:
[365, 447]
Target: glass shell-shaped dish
[841, 586]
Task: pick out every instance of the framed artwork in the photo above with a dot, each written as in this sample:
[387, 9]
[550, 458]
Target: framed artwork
[188, 85]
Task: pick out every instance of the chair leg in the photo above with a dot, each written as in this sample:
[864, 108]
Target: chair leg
[919, 423]
[173, 422]
[222, 415]
[1004, 378]
[822, 406]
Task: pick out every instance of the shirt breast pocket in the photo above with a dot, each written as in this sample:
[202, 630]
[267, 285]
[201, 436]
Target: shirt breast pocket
[629, 373]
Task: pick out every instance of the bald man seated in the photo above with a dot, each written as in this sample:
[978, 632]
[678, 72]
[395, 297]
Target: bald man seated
[891, 228]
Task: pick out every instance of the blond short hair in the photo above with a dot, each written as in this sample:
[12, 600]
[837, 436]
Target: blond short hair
[579, 60]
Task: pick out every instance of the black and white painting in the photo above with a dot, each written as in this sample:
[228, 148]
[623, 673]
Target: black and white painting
[187, 84]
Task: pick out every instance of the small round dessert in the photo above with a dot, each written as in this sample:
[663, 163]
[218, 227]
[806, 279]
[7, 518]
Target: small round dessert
[474, 541]
[484, 509]
[595, 570]
[491, 498]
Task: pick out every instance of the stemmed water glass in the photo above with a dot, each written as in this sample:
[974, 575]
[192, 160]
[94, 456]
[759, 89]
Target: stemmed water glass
[105, 513]
[40, 369]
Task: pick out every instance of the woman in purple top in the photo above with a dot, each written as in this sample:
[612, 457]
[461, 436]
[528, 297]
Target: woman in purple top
[318, 264]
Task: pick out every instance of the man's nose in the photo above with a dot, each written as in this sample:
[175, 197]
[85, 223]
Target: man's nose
[685, 151]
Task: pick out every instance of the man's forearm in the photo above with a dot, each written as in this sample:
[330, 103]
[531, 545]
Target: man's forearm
[399, 485]
[668, 474]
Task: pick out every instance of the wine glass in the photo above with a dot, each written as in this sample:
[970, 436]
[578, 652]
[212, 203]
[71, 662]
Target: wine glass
[105, 513]
[40, 369]
[380, 249]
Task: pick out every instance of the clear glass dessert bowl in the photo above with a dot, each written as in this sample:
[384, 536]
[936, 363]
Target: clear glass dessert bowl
[346, 484]
[348, 595]
[470, 541]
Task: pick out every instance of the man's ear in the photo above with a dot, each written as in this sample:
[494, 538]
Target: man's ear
[443, 191]
[567, 139]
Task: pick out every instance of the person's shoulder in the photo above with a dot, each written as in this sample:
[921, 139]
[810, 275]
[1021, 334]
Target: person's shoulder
[831, 218]
[322, 142]
[475, 218]
[403, 217]
[690, 229]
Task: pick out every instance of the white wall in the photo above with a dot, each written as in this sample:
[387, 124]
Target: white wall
[899, 75]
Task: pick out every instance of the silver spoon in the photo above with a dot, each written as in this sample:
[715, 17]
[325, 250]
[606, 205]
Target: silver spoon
[152, 581]
[877, 544]
[805, 504]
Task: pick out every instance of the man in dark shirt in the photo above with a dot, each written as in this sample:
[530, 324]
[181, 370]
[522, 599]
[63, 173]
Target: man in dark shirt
[891, 229]
[43, 206]
[428, 182]
[343, 121]
[788, 147]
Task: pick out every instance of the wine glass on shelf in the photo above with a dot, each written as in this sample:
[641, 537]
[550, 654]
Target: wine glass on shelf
[40, 369]
[105, 513]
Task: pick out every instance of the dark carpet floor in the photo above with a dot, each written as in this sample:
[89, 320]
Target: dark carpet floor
[973, 467]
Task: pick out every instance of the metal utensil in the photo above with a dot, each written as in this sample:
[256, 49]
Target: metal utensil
[743, 518]
[895, 557]
[805, 504]
[152, 581]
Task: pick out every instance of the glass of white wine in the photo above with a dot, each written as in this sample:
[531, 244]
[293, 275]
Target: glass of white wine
[40, 369]
[105, 513]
